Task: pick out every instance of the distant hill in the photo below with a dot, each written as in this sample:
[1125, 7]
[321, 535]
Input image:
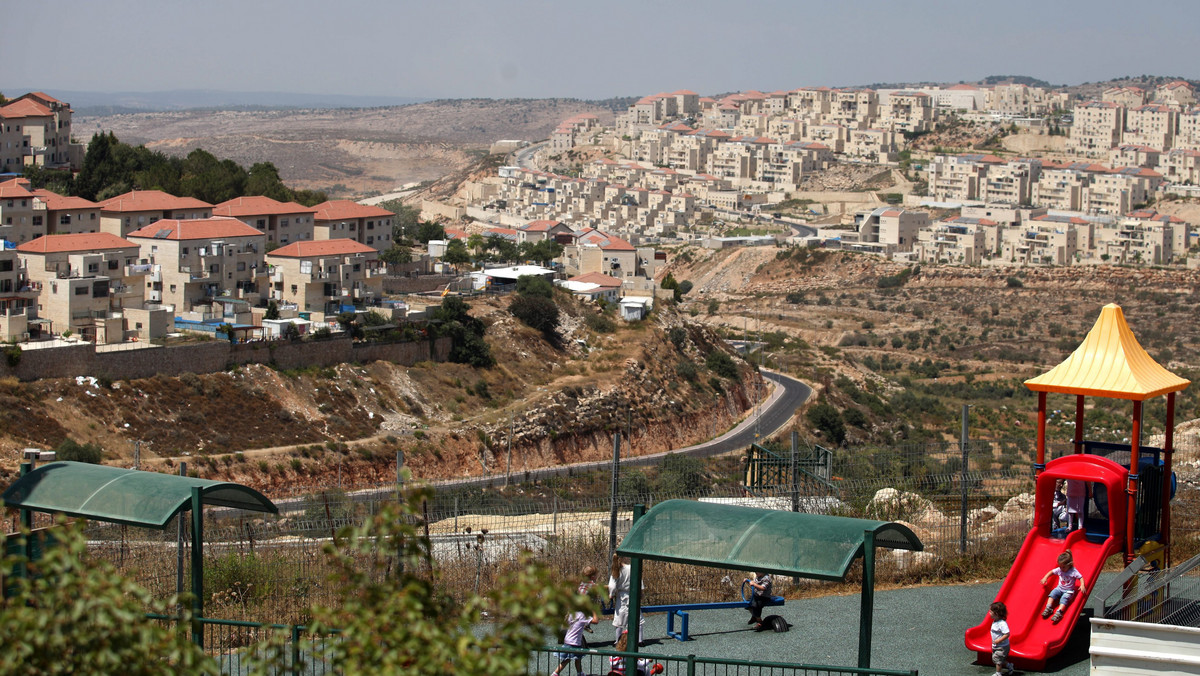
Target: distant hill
[110, 103]
[1016, 79]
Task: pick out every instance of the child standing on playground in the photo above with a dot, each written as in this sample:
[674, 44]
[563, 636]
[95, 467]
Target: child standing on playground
[1077, 497]
[616, 664]
[1058, 505]
[1000, 634]
[618, 593]
[1070, 580]
[761, 584]
[576, 623]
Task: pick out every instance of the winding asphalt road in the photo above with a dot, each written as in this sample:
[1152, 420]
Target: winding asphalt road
[771, 415]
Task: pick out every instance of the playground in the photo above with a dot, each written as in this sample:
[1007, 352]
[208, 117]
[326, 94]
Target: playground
[917, 628]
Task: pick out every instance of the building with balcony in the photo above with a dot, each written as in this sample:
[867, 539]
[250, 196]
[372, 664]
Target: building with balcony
[885, 230]
[35, 130]
[22, 213]
[1132, 240]
[1039, 243]
[1178, 94]
[282, 222]
[1153, 125]
[18, 297]
[202, 261]
[343, 219]
[1097, 128]
[962, 240]
[326, 276]
[123, 214]
[84, 281]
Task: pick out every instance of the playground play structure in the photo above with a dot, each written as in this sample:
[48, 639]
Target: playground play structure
[730, 537]
[1128, 508]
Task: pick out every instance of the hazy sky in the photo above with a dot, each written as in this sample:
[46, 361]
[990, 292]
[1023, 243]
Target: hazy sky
[597, 49]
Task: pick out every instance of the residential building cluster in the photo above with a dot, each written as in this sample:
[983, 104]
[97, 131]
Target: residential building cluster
[131, 265]
[1072, 186]
[1003, 234]
[1133, 123]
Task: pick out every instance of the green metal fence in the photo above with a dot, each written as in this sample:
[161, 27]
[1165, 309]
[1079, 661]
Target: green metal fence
[545, 660]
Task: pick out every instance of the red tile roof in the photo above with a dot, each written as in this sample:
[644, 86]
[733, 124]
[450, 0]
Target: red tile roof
[540, 226]
[338, 210]
[325, 247]
[597, 278]
[200, 228]
[91, 241]
[15, 189]
[24, 108]
[150, 200]
[455, 233]
[604, 240]
[56, 202]
[259, 205]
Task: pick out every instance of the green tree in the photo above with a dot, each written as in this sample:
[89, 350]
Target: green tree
[77, 615]
[395, 254]
[429, 230]
[456, 253]
[74, 451]
[535, 285]
[394, 618]
[681, 475]
[826, 418]
[542, 251]
[721, 364]
[272, 310]
[538, 312]
[227, 329]
[465, 332]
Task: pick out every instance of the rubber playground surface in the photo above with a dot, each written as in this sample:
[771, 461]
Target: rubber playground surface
[915, 628]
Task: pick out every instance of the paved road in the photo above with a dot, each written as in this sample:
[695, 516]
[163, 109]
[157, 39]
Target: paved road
[524, 157]
[771, 415]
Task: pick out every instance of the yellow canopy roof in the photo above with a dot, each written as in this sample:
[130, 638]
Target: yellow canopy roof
[1109, 363]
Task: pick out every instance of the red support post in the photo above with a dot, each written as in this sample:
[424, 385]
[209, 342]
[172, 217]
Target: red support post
[1132, 484]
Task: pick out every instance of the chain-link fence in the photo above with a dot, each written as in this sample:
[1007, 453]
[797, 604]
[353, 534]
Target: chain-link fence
[271, 567]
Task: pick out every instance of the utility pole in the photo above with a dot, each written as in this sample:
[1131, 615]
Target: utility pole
[508, 468]
[137, 454]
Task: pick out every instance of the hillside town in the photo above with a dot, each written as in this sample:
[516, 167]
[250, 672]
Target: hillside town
[675, 168]
[677, 163]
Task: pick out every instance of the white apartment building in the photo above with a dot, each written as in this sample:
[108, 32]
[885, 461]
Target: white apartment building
[1097, 128]
[1153, 125]
[957, 241]
[35, 130]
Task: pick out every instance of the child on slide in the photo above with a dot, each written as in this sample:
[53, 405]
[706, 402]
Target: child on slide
[1070, 580]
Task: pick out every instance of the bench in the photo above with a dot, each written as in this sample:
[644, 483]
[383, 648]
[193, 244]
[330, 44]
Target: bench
[681, 610]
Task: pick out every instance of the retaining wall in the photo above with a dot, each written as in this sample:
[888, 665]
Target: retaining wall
[210, 357]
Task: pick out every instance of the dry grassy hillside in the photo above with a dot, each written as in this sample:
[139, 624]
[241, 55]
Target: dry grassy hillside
[349, 151]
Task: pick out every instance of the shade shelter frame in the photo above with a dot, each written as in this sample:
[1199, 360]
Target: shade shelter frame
[1111, 363]
[818, 546]
[133, 498]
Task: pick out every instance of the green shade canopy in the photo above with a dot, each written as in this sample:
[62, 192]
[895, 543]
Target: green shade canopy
[127, 496]
[746, 538]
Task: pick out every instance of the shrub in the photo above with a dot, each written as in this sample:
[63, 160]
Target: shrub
[538, 312]
[12, 355]
[601, 323]
[534, 285]
[678, 337]
[74, 451]
[686, 370]
[828, 421]
[1014, 283]
[719, 363]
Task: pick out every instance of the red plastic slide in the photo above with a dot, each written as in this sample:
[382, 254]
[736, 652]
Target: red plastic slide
[1033, 639]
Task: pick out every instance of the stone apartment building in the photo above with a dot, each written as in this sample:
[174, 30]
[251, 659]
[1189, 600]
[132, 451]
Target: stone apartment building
[957, 178]
[18, 298]
[84, 282]
[573, 131]
[1039, 243]
[907, 111]
[35, 130]
[1153, 125]
[195, 262]
[885, 230]
[1062, 188]
[1178, 93]
[959, 240]
[1188, 137]
[282, 222]
[343, 219]
[853, 108]
[69, 215]
[125, 213]
[1097, 128]
[22, 213]
[1126, 97]
[1180, 166]
[1010, 182]
[1118, 191]
[873, 145]
[1143, 242]
[326, 276]
[1129, 155]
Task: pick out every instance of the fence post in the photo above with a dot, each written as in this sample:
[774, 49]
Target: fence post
[616, 471]
[296, 666]
[795, 477]
[691, 665]
[962, 535]
[556, 514]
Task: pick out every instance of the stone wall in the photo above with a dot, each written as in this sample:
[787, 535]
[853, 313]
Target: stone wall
[210, 357]
[418, 284]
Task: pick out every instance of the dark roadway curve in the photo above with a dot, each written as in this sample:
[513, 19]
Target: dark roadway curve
[789, 394]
